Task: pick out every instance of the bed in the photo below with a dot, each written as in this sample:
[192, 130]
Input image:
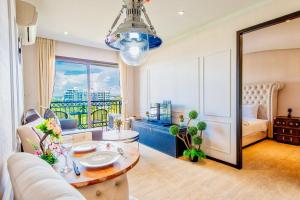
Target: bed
[263, 98]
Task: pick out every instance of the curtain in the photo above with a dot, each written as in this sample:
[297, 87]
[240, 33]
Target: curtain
[124, 88]
[45, 72]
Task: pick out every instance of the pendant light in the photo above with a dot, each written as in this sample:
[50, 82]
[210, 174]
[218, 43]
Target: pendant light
[133, 37]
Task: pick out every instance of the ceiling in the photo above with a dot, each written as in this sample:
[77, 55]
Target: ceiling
[281, 36]
[87, 21]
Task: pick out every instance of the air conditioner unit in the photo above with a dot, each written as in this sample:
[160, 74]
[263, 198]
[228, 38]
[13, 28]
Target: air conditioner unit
[27, 34]
[27, 22]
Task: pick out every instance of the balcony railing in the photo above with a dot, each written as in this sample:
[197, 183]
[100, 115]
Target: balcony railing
[84, 113]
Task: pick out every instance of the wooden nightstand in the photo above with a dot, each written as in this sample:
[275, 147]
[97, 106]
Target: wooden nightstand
[287, 130]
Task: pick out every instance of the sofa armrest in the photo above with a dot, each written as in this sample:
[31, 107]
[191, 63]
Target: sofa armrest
[32, 178]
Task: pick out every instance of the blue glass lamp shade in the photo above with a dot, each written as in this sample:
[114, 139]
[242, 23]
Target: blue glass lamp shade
[133, 46]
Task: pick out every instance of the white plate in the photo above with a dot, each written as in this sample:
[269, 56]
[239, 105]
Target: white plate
[99, 159]
[81, 148]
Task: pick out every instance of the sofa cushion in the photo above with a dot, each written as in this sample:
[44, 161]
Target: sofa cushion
[30, 136]
[68, 124]
[30, 116]
[49, 114]
[34, 179]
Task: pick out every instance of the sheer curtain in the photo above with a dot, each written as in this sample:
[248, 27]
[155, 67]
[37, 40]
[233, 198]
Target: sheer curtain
[124, 88]
[45, 72]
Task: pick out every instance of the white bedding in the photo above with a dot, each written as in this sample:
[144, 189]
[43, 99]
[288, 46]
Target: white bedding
[251, 126]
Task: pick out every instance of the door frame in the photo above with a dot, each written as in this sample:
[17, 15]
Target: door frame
[239, 70]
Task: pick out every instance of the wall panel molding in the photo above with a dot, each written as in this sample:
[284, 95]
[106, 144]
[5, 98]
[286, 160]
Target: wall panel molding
[216, 84]
[217, 136]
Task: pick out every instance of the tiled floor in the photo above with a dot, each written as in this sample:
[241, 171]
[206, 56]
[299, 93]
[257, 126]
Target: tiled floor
[271, 171]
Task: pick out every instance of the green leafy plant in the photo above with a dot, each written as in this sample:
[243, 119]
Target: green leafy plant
[49, 157]
[192, 138]
[193, 114]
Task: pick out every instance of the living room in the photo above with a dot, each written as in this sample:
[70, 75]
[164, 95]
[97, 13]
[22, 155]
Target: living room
[174, 107]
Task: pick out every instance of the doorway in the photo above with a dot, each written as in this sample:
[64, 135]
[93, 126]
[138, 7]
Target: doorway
[249, 88]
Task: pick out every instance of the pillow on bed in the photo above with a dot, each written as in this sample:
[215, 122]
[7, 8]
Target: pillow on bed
[250, 111]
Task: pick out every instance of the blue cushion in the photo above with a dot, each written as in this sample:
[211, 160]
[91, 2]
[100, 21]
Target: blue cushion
[68, 124]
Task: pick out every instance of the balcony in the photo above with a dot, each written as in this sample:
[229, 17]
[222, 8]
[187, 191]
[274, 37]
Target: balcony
[87, 116]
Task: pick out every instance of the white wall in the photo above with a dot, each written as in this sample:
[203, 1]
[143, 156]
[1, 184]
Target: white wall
[278, 65]
[177, 72]
[11, 100]
[83, 52]
[30, 77]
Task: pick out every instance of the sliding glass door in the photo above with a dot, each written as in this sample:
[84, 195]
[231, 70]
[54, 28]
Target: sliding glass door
[87, 91]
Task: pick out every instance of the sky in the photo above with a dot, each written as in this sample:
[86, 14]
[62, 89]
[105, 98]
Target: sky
[71, 75]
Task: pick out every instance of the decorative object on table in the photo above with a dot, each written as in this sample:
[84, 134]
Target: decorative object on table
[99, 159]
[161, 112]
[121, 152]
[192, 138]
[133, 37]
[75, 168]
[64, 150]
[48, 156]
[118, 124]
[290, 110]
[148, 115]
[154, 113]
[165, 112]
[181, 121]
[49, 128]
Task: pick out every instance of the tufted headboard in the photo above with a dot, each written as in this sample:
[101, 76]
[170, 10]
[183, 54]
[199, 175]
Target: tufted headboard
[265, 95]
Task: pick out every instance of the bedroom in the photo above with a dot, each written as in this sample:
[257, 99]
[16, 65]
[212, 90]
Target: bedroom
[270, 93]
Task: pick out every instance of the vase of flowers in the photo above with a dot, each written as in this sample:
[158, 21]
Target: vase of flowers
[47, 153]
[192, 138]
[181, 121]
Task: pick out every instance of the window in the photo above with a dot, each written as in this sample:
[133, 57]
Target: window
[86, 91]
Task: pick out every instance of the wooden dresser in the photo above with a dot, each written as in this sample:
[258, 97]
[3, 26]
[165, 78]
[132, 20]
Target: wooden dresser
[287, 130]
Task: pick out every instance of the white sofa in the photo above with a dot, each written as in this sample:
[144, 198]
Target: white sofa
[34, 179]
[114, 189]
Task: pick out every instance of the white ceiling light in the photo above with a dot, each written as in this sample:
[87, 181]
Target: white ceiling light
[66, 33]
[181, 12]
[133, 38]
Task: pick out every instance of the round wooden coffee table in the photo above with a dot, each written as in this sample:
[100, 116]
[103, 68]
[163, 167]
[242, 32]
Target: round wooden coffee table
[90, 179]
[126, 136]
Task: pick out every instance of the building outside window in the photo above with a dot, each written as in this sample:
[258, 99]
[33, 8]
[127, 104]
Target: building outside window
[86, 91]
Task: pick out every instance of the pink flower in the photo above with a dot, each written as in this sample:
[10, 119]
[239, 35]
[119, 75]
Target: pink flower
[38, 152]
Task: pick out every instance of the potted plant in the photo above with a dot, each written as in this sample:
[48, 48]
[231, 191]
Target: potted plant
[49, 128]
[192, 138]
